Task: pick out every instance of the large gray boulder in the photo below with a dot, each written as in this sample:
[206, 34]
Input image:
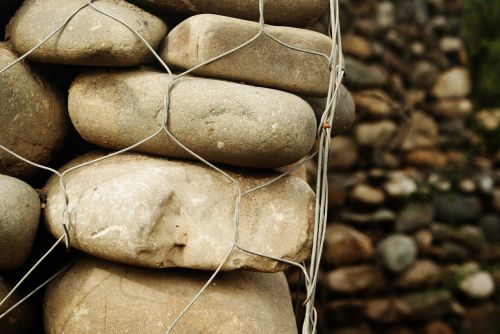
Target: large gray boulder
[264, 62]
[33, 119]
[221, 121]
[95, 296]
[90, 38]
[162, 213]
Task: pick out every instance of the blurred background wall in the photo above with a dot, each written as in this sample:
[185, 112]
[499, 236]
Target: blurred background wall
[413, 239]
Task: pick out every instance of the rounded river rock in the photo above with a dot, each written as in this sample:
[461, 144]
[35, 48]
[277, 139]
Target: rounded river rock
[263, 62]
[90, 37]
[222, 121]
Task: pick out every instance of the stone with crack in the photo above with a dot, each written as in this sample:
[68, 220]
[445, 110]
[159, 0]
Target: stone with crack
[162, 213]
[96, 296]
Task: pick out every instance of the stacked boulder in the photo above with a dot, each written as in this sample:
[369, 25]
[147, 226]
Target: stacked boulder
[412, 244]
[153, 221]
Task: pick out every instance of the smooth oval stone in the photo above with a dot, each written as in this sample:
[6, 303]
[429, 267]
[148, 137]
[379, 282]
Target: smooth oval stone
[345, 111]
[280, 12]
[95, 296]
[33, 119]
[90, 38]
[221, 121]
[264, 62]
[162, 213]
[19, 216]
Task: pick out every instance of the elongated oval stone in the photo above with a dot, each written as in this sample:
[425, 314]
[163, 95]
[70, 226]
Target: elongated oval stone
[95, 296]
[161, 213]
[90, 38]
[263, 62]
[280, 12]
[222, 121]
[33, 118]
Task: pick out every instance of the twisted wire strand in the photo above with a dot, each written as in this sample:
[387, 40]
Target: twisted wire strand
[310, 278]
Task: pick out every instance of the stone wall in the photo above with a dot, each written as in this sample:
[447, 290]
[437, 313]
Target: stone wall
[413, 240]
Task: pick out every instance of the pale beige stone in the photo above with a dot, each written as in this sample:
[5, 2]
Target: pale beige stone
[264, 62]
[221, 121]
[280, 12]
[90, 38]
[452, 83]
[19, 216]
[33, 119]
[95, 296]
[162, 213]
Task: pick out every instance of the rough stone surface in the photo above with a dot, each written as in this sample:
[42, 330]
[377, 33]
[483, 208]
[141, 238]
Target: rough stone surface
[345, 245]
[280, 12]
[159, 213]
[101, 297]
[397, 252]
[19, 216]
[90, 38]
[357, 279]
[21, 320]
[221, 121]
[33, 121]
[264, 62]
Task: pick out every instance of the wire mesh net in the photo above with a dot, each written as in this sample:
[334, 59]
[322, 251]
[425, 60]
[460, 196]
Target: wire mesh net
[309, 271]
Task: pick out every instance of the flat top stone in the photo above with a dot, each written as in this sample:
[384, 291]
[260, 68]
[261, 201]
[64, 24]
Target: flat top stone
[222, 121]
[33, 119]
[264, 62]
[90, 37]
[162, 213]
[281, 12]
[95, 296]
